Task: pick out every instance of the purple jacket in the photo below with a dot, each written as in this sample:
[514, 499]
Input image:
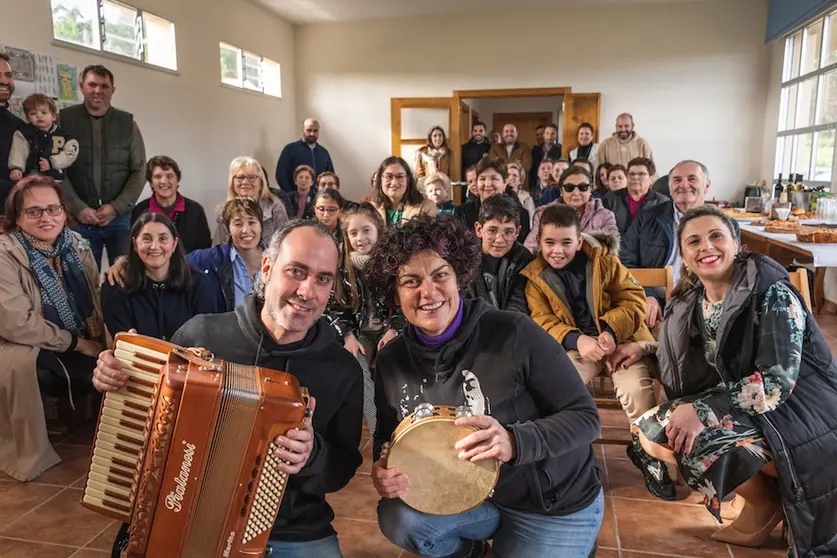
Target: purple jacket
[595, 218]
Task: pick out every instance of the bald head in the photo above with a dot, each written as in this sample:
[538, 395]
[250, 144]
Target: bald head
[624, 125]
[310, 131]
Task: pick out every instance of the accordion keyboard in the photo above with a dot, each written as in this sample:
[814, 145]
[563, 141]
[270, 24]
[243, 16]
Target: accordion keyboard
[121, 437]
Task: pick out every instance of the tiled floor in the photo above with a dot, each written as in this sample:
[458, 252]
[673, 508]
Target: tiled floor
[44, 519]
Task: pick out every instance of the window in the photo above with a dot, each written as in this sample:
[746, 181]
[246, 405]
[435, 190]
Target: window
[244, 69]
[808, 103]
[117, 28]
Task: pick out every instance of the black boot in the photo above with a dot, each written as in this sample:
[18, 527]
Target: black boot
[479, 549]
[654, 471]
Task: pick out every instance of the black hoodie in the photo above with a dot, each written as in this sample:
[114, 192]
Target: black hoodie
[504, 365]
[331, 374]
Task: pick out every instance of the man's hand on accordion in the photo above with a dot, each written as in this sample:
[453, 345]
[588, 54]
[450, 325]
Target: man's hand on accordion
[294, 448]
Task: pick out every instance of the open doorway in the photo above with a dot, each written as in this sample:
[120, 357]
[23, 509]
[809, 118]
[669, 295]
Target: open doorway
[526, 113]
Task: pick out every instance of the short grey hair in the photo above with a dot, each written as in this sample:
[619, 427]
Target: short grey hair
[276, 244]
[703, 168]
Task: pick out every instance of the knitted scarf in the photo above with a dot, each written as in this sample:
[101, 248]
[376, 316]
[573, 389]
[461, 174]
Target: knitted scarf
[66, 297]
[359, 261]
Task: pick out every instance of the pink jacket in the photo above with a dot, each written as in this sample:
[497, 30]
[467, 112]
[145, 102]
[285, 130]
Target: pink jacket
[595, 218]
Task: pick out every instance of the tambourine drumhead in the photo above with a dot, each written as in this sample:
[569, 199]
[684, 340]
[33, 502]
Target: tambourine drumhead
[440, 483]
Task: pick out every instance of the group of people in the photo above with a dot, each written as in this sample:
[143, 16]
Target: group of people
[401, 299]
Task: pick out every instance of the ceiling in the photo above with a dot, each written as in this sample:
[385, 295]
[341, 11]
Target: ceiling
[315, 11]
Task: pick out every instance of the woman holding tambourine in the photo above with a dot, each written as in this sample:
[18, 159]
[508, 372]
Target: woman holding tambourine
[507, 388]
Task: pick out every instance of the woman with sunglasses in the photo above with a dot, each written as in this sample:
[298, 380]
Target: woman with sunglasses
[248, 180]
[576, 185]
[51, 329]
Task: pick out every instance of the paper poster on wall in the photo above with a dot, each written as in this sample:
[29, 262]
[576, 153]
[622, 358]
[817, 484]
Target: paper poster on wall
[67, 82]
[16, 107]
[46, 79]
[22, 62]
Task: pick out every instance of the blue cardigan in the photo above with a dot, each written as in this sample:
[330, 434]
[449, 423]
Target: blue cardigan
[298, 153]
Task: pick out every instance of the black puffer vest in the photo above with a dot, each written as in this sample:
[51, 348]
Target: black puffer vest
[802, 431]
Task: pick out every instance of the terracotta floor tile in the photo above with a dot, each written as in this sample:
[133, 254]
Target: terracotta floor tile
[625, 481]
[774, 548]
[606, 553]
[614, 418]
[607, 533]
[359, 500]
[361, 539]
[63, 521]
[366, 451]
[74, 465]
[105, 540]
[27, 549]
[82, 435]
[88, 553]
[676, 529]
[618, 433]
[18, 498]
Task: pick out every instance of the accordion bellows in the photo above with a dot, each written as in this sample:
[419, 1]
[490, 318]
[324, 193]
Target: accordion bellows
[184, 452]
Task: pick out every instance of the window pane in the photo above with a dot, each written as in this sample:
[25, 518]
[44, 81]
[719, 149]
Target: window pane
[802, 155]
[829, 44]
[160, 43]
[807, 106]
[777, 165]
[252, 71]
[230, 65]
[787, 107]
[796, 55]
[824, 156]
[812, 47]
[827, 101]
[121, 29]
[76, 21]
[272, 77]
[787, 154]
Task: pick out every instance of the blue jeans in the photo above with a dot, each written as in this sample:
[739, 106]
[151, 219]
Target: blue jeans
[323, 548]
[114, 237]
[516, 534]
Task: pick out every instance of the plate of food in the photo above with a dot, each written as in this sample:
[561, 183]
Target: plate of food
[817, 235]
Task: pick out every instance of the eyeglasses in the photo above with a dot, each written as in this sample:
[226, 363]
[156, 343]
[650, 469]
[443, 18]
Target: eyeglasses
[494, 233]
[390, 177]
[248, 178]
[327, 210]
[51, 210]
[637, 174]
[570, 187]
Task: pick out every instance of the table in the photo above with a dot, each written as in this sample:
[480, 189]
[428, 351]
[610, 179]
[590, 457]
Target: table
[785, 248]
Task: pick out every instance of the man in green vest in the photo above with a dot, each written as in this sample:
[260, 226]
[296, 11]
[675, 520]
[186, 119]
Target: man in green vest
[107, 178]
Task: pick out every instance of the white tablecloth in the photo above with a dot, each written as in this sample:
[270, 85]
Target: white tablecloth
[824, 255]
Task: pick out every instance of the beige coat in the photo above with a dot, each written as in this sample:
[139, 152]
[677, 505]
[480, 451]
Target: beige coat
[617, 152]
[427, 207]
[25, 451]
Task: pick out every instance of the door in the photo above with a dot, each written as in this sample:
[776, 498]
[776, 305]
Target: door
[579, 108]
[526, 123]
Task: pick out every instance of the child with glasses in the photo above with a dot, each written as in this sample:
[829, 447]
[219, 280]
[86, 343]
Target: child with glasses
[576, 187]
[41, 146]
[582, 295]
[328, 207]
[498, 280]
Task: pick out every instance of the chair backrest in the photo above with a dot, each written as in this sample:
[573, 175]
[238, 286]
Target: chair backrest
[655, 277]
[799, 279]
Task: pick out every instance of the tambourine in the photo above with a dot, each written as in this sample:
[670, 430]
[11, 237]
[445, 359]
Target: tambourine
[440, 483]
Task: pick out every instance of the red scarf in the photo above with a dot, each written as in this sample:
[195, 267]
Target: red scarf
[179, 207]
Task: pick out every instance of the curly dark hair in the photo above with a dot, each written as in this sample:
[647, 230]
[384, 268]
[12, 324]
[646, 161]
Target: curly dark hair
[446, 235]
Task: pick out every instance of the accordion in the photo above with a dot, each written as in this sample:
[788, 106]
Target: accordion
[184, 452]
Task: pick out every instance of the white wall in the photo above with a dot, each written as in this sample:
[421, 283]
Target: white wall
[189, 116]
[771, 113]
[694, 75]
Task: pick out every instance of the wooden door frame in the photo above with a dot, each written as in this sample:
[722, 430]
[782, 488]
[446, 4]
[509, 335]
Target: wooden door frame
[460, 94]
[398, 103]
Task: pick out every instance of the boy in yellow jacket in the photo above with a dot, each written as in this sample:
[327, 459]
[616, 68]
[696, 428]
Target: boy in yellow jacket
[583, 296]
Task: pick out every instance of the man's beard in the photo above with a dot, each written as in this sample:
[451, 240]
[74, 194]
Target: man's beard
[310, 140]
[625, 135]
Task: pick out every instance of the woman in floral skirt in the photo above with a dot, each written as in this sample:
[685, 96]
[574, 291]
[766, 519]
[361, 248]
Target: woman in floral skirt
[752, 389]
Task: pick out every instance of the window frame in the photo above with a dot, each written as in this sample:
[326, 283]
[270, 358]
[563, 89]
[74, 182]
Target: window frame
[800, 40]
[241, 80]
[101, 37]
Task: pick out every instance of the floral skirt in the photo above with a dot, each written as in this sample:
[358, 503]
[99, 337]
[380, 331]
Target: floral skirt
[728, 452]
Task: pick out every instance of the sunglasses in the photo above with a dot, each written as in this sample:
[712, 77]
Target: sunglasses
[570, 187]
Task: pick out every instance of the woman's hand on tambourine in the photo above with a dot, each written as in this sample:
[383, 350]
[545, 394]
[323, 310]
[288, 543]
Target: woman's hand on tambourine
[492, 440]
[390, 483]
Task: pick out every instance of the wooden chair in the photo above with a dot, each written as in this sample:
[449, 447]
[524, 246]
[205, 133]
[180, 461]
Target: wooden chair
[799, 279]
[648, 278]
